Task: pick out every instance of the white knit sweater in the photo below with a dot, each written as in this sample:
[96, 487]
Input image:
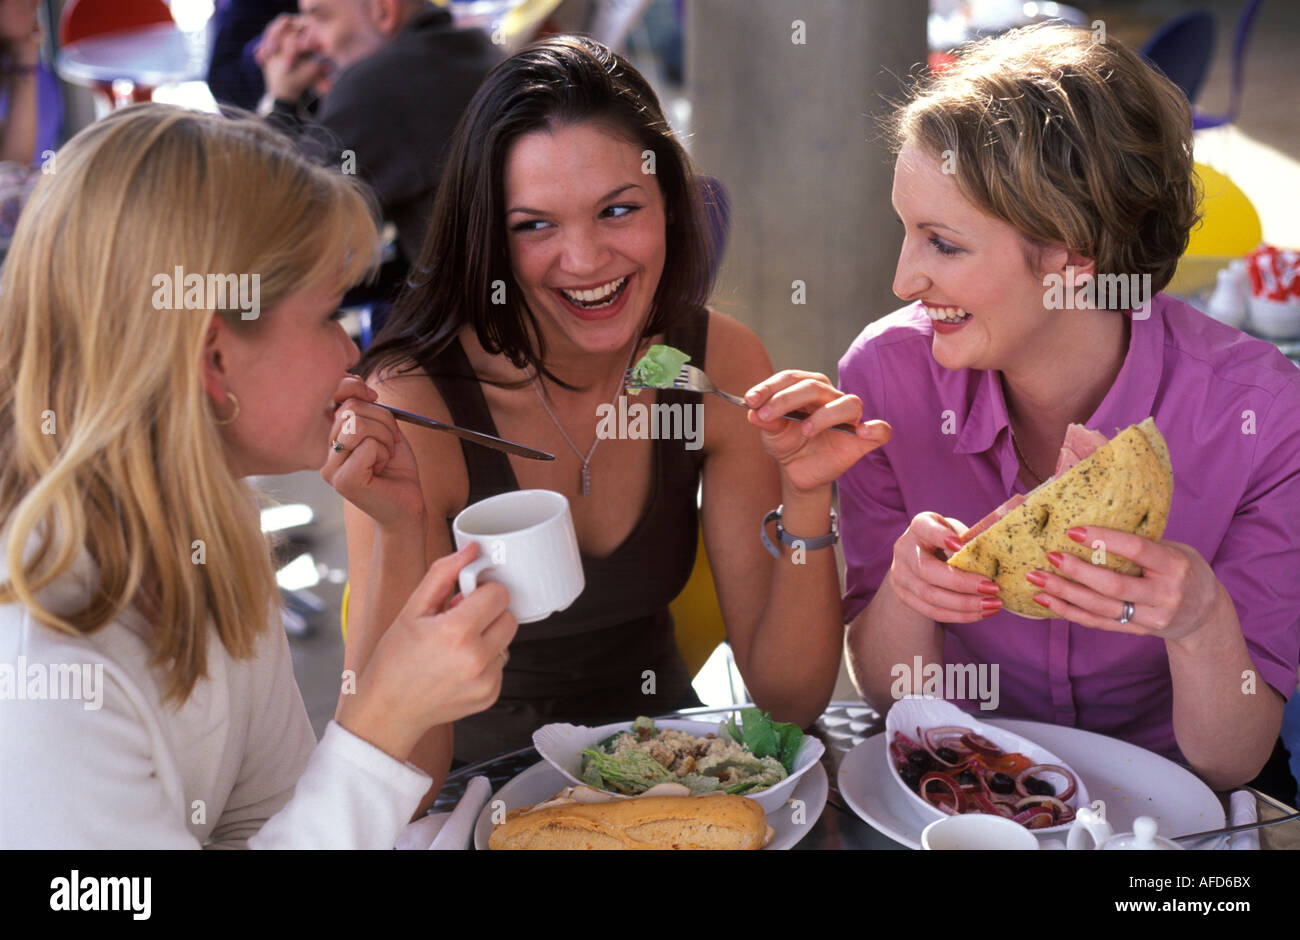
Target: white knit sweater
[91, 757]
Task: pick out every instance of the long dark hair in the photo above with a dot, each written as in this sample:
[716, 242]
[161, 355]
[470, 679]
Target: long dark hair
[557, 81]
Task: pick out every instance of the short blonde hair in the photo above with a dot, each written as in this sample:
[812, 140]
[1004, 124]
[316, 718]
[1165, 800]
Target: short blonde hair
[1070, 140]
[135, 470]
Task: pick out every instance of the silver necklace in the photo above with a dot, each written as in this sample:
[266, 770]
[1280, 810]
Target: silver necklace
[586, 461]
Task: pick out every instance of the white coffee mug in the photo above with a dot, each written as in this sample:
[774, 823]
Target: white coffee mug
[527, 543]
[977, 831]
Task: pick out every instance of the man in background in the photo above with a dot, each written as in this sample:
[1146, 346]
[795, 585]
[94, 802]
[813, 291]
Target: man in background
[397, 76]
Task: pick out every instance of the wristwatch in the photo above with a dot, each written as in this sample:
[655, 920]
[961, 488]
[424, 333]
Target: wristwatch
[797, 541]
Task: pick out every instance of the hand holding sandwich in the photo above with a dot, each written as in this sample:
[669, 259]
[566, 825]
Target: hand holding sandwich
[922, 581]
[1176, 595]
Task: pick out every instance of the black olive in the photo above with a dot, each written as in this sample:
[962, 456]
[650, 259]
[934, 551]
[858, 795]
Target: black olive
[911, 776]
[947, 755]
[1001, 783]
[1037, 787]
[967, 779]
[936, 786]
[920, 760]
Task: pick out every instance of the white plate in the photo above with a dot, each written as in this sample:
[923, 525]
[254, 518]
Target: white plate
[913, 712]
[1132, 781]
[561, 745]
[542, 781]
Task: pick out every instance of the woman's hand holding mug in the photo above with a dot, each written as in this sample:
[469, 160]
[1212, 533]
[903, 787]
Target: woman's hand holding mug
[440, 661]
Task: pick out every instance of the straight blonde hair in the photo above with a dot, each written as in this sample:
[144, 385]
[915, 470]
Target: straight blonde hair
[109, 442]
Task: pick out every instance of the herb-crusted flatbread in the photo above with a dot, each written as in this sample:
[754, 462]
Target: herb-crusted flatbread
[1128, 484]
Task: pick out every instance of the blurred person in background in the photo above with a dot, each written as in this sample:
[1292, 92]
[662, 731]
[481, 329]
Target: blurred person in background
[399, 75]
[31, 110]
[234, 72]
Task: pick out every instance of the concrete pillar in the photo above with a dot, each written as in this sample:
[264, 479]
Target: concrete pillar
[784, 94]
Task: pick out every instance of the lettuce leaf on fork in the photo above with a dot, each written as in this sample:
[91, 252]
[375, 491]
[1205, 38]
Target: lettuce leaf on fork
[658, 367]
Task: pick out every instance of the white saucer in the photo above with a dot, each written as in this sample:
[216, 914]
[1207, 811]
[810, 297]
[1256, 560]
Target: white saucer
[542, 781]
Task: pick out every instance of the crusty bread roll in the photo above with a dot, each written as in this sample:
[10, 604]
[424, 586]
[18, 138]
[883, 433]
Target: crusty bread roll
[661, 822]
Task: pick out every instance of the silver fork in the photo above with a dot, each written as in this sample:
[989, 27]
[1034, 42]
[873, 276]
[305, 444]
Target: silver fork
[691, 379]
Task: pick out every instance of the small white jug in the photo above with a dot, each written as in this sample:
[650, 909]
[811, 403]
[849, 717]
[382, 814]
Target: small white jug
[1091, 824]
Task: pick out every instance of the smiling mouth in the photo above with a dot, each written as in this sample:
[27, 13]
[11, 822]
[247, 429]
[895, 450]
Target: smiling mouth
[946, 314]
[597, 297]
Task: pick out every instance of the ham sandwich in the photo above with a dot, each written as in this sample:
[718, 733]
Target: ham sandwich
[1126, 483]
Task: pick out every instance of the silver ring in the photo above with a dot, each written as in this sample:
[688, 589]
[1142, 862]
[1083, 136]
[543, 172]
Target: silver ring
[1127, 615]
[338, 446]
[505, 658]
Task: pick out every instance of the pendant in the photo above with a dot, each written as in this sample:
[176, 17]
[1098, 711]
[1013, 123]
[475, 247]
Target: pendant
[586, 480]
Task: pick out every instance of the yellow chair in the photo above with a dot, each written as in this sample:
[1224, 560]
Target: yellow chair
[1229, 225]
[343, 609]
[1229, 228]
[697, 617]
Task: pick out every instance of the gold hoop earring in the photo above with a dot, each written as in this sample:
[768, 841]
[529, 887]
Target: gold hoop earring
[222, 422]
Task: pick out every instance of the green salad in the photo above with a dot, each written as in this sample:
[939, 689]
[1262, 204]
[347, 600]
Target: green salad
[741, 759]
[658, 367]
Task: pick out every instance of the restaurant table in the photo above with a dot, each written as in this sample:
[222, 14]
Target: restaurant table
[841, 727]
[147, 56]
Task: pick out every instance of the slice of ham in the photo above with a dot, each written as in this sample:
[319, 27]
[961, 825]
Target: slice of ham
[988, 521]
[1079, 444]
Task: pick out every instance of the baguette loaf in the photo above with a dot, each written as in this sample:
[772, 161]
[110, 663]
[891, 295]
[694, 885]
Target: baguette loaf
[665, 822]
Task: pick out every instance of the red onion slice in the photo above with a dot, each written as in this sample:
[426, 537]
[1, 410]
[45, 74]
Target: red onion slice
[931, 735]
[981, 745]
[1046, 768]
[936, 799]
[1036, 818]
[907, 742]
[934, 751]
[1051, 801]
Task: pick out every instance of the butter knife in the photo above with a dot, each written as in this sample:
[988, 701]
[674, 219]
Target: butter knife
[477, 437]
[1244, 827]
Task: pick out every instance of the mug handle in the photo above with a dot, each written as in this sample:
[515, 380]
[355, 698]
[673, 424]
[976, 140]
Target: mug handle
[469, 574]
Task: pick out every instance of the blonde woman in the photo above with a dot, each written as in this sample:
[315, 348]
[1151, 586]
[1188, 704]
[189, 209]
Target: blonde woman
[146, 693]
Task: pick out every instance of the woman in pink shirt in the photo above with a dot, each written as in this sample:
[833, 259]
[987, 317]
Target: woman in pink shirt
[1046, 158]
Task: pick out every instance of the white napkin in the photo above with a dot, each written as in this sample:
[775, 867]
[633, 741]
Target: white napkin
[417, 835]
[448, 830]
[457, 831]
[1243, 809]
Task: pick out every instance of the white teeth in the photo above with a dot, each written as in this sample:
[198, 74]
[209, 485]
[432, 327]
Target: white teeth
[595, 295]
[946, 314]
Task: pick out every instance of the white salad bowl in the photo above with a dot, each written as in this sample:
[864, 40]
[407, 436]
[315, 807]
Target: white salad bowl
[914, 712]
[562, 746]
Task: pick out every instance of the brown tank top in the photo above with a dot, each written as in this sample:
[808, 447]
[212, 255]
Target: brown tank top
[611, 655]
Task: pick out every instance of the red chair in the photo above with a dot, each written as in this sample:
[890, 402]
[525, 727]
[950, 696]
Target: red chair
[82, 19]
